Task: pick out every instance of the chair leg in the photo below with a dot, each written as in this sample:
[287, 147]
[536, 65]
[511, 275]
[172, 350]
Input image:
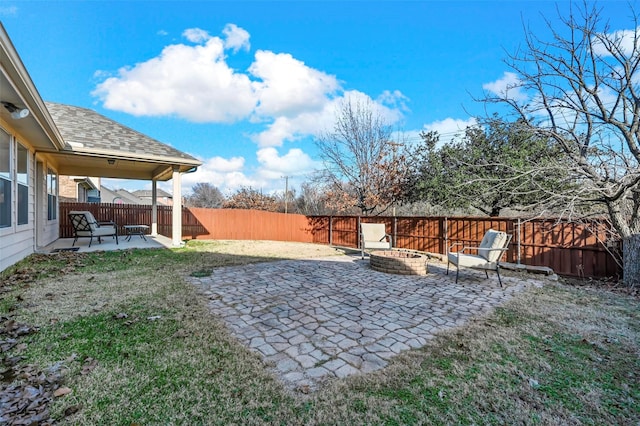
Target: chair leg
[448, 263]
[457, 272]
[90, 240]
[486, 273]
[498, 272]
[74, 241]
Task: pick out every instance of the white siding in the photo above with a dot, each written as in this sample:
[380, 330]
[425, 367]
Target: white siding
[15, 247]
[19, 241]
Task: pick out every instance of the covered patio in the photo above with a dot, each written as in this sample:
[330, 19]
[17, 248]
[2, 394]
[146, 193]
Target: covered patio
[97, 146]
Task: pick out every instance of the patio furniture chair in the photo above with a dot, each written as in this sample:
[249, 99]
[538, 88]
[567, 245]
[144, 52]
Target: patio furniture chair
[492, 247]
[86, 226]
[374, 236]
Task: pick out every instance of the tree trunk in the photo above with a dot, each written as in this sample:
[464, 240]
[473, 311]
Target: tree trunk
[631, 260]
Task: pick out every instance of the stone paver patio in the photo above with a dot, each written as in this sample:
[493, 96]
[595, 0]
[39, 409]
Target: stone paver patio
[321, 318]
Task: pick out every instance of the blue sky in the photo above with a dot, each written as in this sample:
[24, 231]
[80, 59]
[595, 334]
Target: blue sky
[244, 86]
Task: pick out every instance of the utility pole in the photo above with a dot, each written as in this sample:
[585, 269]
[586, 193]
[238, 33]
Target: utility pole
[286, 192]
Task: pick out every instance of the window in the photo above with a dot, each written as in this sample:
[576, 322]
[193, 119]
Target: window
[52, 195]
[5, 179]
[23, 185]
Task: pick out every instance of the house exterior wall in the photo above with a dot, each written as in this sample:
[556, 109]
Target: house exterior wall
[48, 231]
[18, 241]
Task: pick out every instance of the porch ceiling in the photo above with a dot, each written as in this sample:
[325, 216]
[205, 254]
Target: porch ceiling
[79, 164]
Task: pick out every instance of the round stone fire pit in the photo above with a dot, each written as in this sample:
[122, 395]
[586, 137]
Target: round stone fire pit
[399, 262]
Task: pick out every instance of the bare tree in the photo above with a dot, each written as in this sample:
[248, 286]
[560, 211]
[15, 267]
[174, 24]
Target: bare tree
[311, 200]
[205, 195]
[252, 199]
[363, 167]
[580, 89]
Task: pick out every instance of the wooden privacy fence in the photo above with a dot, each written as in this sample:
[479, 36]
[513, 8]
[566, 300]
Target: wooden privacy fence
[215, 224]
[569, 248]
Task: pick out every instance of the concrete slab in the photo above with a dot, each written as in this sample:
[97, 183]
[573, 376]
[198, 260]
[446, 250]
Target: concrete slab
[108, 244]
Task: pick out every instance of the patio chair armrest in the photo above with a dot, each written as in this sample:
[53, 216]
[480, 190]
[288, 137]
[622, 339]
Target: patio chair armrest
[469, 248]
[497, 249]
[106, 223]
[454, 245]
[484, 248]
[464, 248]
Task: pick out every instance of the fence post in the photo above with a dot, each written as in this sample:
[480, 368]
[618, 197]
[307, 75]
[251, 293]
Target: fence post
[518, 236]
[358, 232]
[445, 231]
[394, 243]
[330, 230]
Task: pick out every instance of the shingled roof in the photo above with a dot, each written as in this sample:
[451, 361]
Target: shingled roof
[83, 129]
[125, 152]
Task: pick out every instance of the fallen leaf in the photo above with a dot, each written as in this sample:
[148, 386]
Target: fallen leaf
[62, 391]
[89, 365]
[121, 315]
[153, 318]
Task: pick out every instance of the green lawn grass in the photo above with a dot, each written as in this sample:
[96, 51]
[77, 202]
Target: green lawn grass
[139, 346]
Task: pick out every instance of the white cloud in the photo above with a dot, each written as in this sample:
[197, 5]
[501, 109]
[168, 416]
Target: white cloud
[509, 86]
[285, 99]
[450, 128]
[289, 129]
[230, 174]
[623, 39]
[192, 82]
[294, 163]
[196, 35]
[394, 99]
[226, 174]
[220, 164]
[313, 123]
[385, 106]
[236, 38]
[277, 132]
[289, 87]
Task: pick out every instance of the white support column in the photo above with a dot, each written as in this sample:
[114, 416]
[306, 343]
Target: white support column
[177, 208]
[154, 208]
